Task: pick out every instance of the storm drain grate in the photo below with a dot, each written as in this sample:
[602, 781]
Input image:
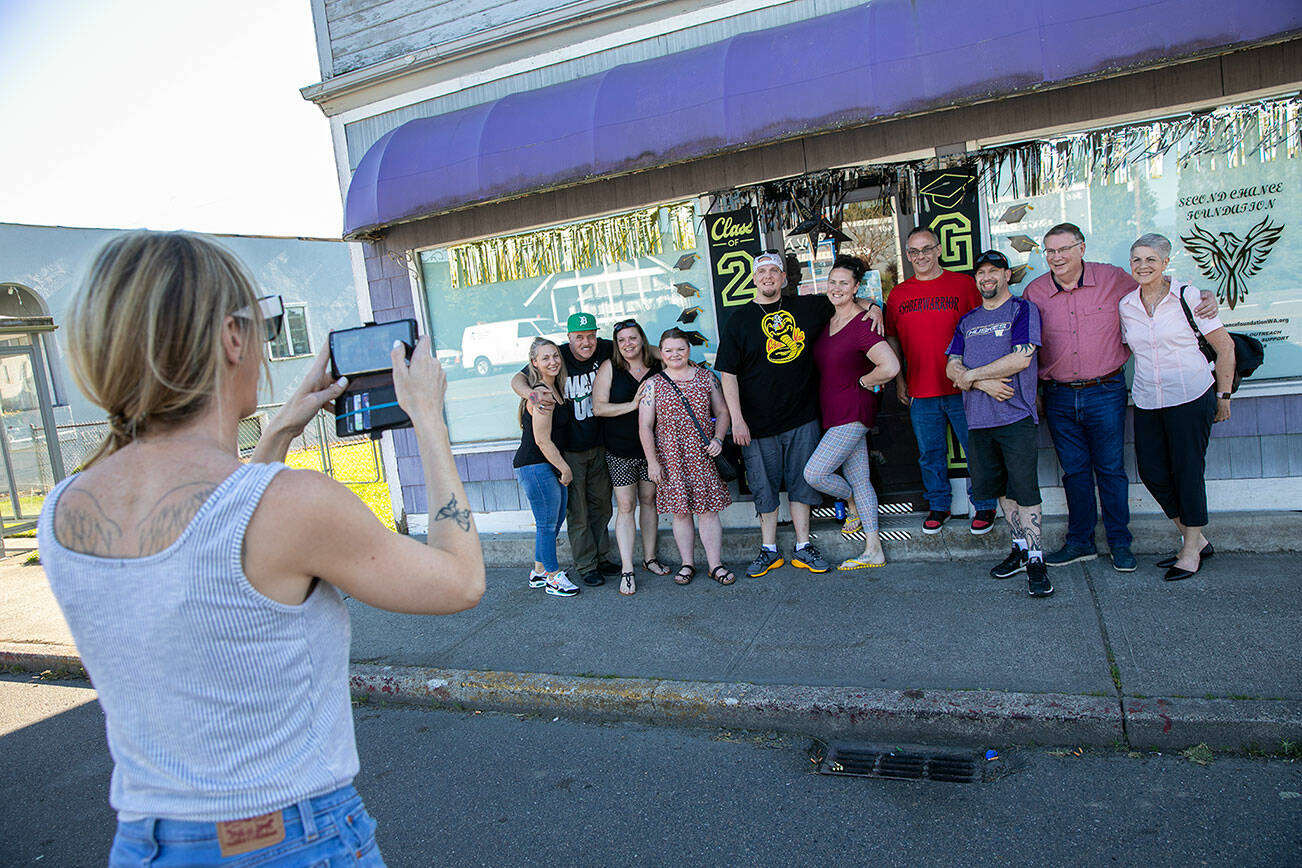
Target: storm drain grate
[870, 761]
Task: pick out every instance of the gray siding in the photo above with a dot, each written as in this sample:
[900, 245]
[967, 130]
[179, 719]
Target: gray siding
[365, 32]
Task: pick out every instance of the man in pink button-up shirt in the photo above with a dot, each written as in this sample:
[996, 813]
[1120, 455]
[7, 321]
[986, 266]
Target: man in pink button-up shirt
[1085, 392]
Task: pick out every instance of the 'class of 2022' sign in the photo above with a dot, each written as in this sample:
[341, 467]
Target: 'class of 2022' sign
[734, 242]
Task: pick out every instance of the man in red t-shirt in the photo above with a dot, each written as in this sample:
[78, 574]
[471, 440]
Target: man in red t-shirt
[921, 314]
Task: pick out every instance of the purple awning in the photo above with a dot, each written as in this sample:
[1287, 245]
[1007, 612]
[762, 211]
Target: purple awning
[847, 68]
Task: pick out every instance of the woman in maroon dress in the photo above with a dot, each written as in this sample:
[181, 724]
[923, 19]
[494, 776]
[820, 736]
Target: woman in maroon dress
[679, 462]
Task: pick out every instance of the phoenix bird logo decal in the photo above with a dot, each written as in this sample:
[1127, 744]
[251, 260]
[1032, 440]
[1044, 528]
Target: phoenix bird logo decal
[1229, 260]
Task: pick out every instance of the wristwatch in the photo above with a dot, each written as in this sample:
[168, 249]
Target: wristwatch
[1224, 396]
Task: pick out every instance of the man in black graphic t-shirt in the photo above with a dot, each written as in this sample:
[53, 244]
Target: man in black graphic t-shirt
[766, 364]
[588, 509]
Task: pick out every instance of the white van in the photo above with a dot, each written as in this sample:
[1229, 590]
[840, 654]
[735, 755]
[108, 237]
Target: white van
[490, 345]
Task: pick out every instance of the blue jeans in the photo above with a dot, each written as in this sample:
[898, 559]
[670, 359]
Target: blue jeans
[333, 829]
[928, 416]
[1088, 427]
[547, 498]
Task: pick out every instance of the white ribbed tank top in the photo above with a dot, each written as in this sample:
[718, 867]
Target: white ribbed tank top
[220, 703]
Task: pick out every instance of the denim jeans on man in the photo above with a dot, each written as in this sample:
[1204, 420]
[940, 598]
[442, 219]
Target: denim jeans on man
[547, 499]
[1088, 427]
[328, 830]
[929, 416]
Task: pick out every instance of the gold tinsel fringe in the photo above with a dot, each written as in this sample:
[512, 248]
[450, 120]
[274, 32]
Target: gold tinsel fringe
[621, 238]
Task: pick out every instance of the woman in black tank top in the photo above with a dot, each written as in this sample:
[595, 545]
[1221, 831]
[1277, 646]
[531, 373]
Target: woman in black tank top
[540, 467]
[615, 394]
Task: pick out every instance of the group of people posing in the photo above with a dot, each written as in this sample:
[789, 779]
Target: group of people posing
[799, 383]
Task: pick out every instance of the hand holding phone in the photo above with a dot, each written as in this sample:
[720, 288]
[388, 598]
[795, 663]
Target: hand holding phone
[420, 383]
[367, 357]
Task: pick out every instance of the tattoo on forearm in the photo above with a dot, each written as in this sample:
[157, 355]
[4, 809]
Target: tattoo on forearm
[1025, 349]
[460, 516]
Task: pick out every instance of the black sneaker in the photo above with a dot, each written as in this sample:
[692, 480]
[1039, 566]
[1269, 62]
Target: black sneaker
[593, 579]
[934, 521]
[609, 568]
[1011, 565]
[1037, 579]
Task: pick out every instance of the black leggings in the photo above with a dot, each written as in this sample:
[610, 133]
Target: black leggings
[1171, 451]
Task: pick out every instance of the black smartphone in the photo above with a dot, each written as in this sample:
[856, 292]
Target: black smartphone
[369, 404]
[365, 349]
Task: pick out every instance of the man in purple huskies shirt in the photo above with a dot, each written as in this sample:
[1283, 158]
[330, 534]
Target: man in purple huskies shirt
[992, 359]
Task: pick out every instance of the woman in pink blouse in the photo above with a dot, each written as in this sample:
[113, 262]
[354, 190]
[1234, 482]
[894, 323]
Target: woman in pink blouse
[1175, 399]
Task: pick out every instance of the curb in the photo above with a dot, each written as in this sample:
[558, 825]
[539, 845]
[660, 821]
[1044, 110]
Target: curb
[976, 718]
[965, 717]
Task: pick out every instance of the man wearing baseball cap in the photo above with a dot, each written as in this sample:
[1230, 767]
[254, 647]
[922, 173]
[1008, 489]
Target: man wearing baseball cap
[992, 359]
[770, 381]
[588, 509]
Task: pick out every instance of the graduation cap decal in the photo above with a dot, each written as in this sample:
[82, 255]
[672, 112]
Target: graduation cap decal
[687, 290]
[689, 315]
[1019, 272]
[697, 339]
[686, 261]
[1015, 213]
[1023, 243]
[947, 190]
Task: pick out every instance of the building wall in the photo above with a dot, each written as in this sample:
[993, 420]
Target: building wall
[1262, 441]
[52, 261]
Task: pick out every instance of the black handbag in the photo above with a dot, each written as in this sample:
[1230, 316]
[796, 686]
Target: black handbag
[1249, 352]
[726, 471]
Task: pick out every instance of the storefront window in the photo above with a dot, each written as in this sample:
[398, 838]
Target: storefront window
[488, 300]
[1228, 212]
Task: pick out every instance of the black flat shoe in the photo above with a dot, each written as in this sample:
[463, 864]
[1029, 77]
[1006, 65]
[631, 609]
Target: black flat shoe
[1175, 574]
[1206, 553]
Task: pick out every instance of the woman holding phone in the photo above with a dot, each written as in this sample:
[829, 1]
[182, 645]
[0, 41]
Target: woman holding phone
[205, 595]
[540, 465]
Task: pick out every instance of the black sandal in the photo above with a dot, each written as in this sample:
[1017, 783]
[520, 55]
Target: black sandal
[686, 573]
[627, 580]
[654, 567]
[722, 574]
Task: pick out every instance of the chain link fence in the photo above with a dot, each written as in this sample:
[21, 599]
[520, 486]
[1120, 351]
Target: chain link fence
[350, 460]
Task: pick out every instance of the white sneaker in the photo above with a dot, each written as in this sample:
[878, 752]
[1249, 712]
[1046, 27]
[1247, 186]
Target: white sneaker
[537, 580]
[559, 584]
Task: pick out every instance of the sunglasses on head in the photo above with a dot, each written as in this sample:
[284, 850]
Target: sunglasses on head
[623, 324]
[272, 308]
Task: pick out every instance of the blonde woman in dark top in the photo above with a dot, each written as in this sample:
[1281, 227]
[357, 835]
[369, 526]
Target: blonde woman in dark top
[540, 465]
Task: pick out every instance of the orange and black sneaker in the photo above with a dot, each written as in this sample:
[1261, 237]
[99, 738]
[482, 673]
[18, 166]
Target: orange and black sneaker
[764, 561]
[810, 558]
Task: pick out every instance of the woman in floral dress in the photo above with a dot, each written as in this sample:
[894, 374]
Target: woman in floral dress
[679, 462]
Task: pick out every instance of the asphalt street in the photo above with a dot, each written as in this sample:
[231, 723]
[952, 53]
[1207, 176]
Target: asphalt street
[484, 789]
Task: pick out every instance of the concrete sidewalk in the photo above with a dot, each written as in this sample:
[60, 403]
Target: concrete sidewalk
[928, 649]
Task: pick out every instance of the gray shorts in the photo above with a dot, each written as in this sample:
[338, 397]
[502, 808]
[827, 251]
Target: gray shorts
[771, 461]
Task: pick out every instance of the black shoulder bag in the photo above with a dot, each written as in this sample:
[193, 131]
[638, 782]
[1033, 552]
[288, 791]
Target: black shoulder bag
[1249, 352]
[726, 471]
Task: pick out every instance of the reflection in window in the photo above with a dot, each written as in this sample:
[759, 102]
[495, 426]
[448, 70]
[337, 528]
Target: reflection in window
[293, 338]
[490, 299]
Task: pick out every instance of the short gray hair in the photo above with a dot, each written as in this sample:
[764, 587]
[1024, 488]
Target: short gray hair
[1153, 241]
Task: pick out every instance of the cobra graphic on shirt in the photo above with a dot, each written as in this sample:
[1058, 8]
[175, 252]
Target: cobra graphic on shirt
[785, 341]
